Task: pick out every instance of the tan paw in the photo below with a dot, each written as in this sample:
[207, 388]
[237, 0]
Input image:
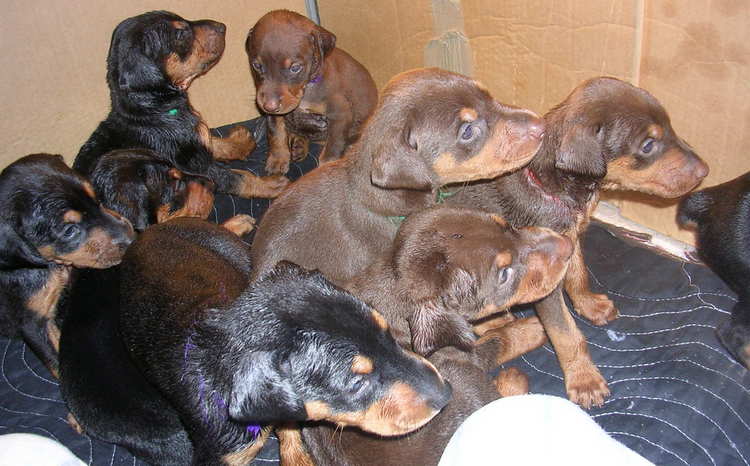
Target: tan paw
[300, 147]
[597, 308]
[586, 387]
[277, 163]
[240, 224]
[512, 381]
[74, 423]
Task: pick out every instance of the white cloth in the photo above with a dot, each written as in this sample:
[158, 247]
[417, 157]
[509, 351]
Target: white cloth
[34, 450]
[535, 430]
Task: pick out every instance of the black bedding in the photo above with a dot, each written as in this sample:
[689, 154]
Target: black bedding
[677, 396]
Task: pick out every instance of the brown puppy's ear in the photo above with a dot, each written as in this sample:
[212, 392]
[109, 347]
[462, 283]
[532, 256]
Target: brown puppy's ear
[324, 39]
[249, 40]
[396, 164]
[15, 252]
[436, 321]
[581, 151]
[434, 326]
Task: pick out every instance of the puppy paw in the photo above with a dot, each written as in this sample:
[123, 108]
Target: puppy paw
[240, 224]
[242, 140]
[299, 147]
[277, 163]
[736, 339]
[586, 387]
[597, 308]
[511, 382]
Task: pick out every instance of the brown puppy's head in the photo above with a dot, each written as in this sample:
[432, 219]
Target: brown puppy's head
[433, 127]
[160, 48]
[286, 52]
[460, 265]
[50, 214]
[319, 353]
[610, 129]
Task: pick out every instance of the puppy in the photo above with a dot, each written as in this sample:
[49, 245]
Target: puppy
[146, 190]
[310, 89]
[50, 221]
[431, 128]
[226, 356]
[153, 59]
[721, 216]
[607, 134]
[446, 269]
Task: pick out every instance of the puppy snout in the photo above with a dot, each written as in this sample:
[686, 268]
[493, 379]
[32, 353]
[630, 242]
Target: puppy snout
[556, 246]
[528, 124]
[216, 26]
[270, 104]
[700, 169]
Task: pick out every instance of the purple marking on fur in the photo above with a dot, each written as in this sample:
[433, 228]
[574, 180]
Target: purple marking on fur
[253, 429]
[201, 390]
[315, 79]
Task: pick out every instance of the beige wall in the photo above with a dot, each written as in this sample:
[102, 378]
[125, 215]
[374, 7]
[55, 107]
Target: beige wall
[53, 85]
[693, 56]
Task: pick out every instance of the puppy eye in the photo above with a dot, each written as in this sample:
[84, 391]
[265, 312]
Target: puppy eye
[70, 230]
[504, 275]
[647, 146]
[295, 68]
[360, 384]
[468, 131]
[257, 67]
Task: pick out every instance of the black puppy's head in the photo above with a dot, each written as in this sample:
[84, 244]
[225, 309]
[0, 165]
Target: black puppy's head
[322, 354]
[611, 130]
[459, 265]
[286, 52]
[159, 49]
[433, 127]
[50, 214]
[146, 190]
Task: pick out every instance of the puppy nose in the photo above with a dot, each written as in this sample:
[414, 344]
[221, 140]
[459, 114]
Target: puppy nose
[528, 123]
[272, 105]
[701, 169]
[556, 245]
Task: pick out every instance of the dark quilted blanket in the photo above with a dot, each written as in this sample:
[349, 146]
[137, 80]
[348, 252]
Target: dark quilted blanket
[677, 396]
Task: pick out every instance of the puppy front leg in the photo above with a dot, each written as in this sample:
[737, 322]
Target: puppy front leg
[240, 224]
[583, 382]
[279, 154]
[338, 128]
[595, 307]
[515, 338]
[237, 145]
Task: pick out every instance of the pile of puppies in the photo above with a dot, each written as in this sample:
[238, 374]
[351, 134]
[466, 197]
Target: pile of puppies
[195, 346]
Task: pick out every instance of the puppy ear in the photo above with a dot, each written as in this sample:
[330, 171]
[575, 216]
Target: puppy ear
[434, 326]
[581, 151]
[262, 393]
[324, 39]
[396, 164]
[436, 321]
[17, 252]
[249, 40]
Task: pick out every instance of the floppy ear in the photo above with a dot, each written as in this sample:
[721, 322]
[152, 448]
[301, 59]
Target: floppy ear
[436, 321]
[261, 393]
[434, 326]
[581, 151]
[15, 252]
[396, 163]
[324, 39]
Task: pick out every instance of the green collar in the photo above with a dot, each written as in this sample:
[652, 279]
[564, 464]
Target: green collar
[173, 112]
[440, 197]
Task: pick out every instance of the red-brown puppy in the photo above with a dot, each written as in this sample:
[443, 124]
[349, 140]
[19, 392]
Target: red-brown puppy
[310, 89]
[607, 134]
[446, 268]
[431, 128]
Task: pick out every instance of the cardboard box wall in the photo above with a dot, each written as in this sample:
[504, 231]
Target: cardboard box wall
[692, 55]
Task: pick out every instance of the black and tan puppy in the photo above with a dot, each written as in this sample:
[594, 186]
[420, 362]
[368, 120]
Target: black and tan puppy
[721, 216]
[145, 189]
[228, 356]
[311, 90]
[153, 59]
[607, 134]
[446, 269]
[431, 128]
[50, 221]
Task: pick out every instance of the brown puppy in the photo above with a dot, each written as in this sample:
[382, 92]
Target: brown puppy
[607, 134]
[431, 128]
[310, 89]
[446, 268]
